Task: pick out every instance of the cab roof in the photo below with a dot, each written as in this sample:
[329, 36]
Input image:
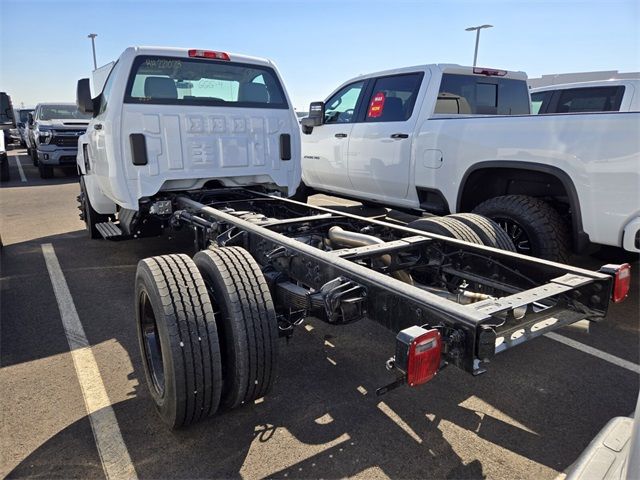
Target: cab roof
[184, 52]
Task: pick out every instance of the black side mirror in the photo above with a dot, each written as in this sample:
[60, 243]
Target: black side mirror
[316, 115]
[20, 125]
[83, 96]
[30, 119]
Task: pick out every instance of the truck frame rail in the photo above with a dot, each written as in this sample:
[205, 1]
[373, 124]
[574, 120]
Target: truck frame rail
[342, 267]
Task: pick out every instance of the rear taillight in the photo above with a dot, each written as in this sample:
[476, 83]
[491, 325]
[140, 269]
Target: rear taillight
[418, 353]
[621, 280]
[489, 72]
[209, 54]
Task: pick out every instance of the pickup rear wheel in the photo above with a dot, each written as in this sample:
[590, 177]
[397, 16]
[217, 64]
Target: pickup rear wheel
[491, 234]
[33, 153]
[178, 339]
[533, 225]
[447, 227]
[246, 320]
[88, 214]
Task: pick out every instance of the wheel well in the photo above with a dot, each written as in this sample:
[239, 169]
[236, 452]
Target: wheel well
[541, 181]
[487, 183]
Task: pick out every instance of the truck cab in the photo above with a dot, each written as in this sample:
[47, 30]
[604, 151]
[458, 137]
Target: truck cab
[172, 119]
[55, 131]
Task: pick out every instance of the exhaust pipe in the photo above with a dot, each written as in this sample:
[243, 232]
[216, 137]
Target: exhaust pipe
[344, 238]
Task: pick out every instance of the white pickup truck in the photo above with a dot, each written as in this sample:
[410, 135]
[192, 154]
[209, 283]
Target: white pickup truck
[596, 96]
[446, 138]
[171, 119]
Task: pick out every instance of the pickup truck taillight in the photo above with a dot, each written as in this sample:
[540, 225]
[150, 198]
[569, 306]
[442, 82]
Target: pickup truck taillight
[621, 280]
[418, 354]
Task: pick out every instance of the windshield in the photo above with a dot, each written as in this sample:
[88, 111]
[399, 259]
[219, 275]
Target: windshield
[181, 81]
[61, 112]
[24, 115]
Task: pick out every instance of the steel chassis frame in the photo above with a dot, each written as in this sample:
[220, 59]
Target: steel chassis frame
[534, 295]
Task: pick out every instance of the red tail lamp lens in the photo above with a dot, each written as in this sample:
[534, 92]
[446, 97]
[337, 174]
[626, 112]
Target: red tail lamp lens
[424, 358]
[621, 283]
[209, 54]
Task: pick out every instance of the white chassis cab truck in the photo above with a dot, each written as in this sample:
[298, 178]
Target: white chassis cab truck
[209, 141]
[175, 120]
[446, 139]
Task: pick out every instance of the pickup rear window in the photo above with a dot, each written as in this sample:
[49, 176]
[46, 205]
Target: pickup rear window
[476, 95]
[583, 99]
[194, 81]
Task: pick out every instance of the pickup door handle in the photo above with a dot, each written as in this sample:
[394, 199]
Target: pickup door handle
[97, 126]
[400, 135]
[341, 135]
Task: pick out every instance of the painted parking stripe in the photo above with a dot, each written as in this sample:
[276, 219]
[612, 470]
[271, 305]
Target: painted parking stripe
[20, 170]
[114, 455]
[607, 357]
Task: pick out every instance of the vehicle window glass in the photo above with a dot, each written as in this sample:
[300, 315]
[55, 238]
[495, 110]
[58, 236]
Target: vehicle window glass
[393, 98]
[194, 81]
[50, 112]
[24, 115]
[340, 108]
[592, 99]
[6, 110]
[536, 102]
[106, 90]
[475, 95]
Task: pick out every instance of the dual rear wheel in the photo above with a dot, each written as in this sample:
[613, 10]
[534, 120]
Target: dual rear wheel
[207, 331]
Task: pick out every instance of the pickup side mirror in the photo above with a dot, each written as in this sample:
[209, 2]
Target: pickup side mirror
[30, 119]
[83, 96]
[315, 118]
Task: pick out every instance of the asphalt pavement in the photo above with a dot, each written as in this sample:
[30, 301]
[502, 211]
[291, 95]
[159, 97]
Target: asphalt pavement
[528, 417]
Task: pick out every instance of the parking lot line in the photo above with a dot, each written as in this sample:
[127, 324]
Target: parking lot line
[607, 357]
[20, 170]
[113, 452]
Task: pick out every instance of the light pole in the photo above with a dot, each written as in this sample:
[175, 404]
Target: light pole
[93, 36]
[477, 29]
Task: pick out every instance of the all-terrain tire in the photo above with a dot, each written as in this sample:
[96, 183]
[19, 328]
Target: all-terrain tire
[546, 233]
[178, 339]
[246, 320]
[447, 227]
[491, 234]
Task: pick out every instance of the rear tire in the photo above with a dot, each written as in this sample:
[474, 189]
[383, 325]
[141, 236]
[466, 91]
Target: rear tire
[447, 227]
[33, 153]
[535, 227]
[491, 234]
[178, 339]
[246, 321]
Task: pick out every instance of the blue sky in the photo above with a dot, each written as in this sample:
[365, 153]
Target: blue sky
[317, 44]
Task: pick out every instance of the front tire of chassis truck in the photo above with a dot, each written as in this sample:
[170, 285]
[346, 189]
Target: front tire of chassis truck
[88, 214]
[178, 339]
[246, 320]
[535, 227]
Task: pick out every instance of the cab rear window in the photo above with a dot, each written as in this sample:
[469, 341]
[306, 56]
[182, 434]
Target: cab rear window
[190, 81]
[479, 95]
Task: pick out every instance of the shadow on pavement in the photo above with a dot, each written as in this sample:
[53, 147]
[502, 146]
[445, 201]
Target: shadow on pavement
[540, 401]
